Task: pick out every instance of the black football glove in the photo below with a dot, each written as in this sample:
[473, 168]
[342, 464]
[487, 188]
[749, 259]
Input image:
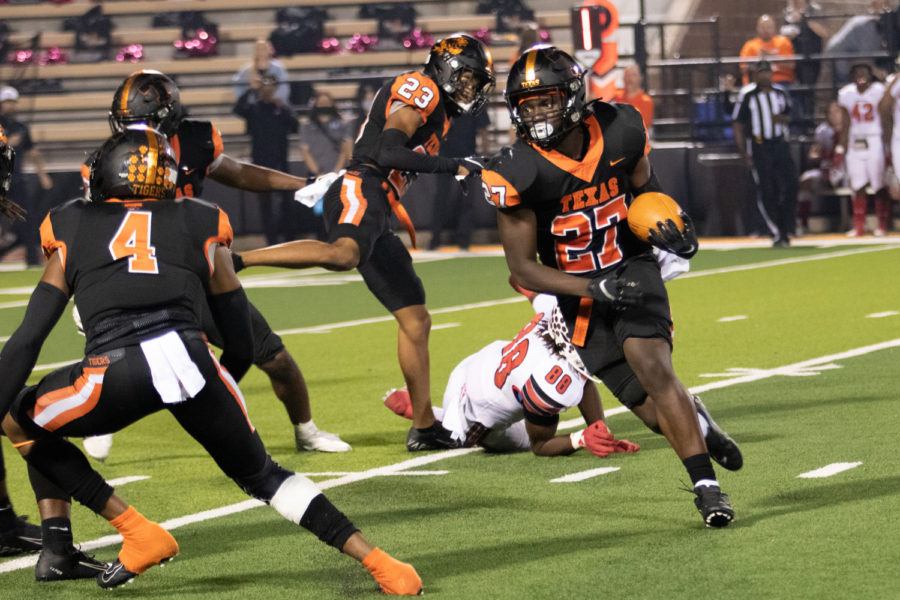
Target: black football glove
[667, 237]
[474, 164]
[622, 293]
[238, 262]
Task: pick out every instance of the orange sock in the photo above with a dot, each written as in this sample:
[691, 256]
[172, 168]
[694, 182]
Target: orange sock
[144, 543]
[394, 576]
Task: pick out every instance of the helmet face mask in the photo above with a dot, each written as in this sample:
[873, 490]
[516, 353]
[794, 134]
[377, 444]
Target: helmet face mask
[135, 163]
[147, 97]
[549, 81]
[463, 68]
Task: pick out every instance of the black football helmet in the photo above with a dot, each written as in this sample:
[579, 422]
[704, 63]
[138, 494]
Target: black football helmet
[135, 163]
[450, 60]
[539, 71]
[148, 97]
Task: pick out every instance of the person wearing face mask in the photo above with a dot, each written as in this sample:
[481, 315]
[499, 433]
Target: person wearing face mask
[329, 134]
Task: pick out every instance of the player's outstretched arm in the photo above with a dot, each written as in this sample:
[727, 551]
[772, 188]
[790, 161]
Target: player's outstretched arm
[545, 442]
[19, 355]
[231, 312]
[253, 178]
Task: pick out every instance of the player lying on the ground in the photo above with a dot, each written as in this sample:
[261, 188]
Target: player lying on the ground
[135, 257]
[537, 379]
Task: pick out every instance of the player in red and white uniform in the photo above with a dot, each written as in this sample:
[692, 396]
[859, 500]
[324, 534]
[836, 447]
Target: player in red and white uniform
[862, 143]
[890, 112]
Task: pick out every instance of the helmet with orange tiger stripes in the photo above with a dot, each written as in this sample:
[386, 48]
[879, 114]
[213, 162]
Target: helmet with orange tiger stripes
[135, 163]
[463, 68]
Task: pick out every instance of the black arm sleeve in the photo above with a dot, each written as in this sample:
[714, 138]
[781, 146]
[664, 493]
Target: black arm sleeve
[17, 359]
[393, 154]
[652, 185]
[231, 312]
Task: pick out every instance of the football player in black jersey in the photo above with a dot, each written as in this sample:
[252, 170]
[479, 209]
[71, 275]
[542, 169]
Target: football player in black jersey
[16, 535]
[138, 262]
[400, 137]
[151, 97]
[563, 190]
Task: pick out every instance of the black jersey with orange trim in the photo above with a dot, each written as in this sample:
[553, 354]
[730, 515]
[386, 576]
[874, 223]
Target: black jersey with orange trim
[407, 89]
[197, 145]
[580, 205]
[124, 258]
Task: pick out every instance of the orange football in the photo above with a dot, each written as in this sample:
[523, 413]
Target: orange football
[649, 208]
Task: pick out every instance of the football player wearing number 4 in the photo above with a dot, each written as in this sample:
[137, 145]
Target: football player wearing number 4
[563, 191]
[146, 351]
[400, 137]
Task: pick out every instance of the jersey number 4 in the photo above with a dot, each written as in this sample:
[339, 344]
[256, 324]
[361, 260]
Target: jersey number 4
[132, 240]
[575, 233]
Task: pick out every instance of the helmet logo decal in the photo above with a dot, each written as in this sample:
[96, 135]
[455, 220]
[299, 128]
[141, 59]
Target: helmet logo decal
[531, 80]
[453, 45]
[147, 176]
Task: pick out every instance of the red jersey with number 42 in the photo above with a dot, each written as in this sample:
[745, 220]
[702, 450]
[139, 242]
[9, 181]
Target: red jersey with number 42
[411, 89]
[580, 205]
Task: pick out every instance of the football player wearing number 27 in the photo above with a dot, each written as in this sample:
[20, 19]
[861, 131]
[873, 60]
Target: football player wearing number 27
[562, 191]
[400, 137]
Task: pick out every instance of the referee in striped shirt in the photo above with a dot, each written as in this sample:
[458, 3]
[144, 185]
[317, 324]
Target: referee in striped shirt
[761, 115]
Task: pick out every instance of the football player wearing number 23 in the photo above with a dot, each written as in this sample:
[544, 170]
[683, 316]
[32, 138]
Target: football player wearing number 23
[563, 190]
[400, 137]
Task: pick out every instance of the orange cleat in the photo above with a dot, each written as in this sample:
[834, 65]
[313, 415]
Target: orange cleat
[395, 577]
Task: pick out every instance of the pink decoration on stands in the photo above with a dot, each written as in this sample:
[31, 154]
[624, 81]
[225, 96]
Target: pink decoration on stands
[483, 35]
[544, 36]
[54, 56]
[330, 46]
[202, 45]
[21, 57]
[418, 39]
[132, 53]
[361, 42]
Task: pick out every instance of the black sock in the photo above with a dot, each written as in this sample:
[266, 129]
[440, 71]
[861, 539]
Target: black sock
[57, 534]
[7, 514]
[699, 468]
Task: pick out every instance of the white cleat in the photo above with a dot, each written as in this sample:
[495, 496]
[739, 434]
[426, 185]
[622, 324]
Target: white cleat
[311, 438]
[98, 446]
[879, 232]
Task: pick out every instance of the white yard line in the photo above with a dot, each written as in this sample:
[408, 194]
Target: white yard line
[829, 470]
[584, 475]
[398, 468]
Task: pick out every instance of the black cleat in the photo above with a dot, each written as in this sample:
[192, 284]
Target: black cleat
[435, 437]
[71, 564]
[722, 448]
[117, 575]
[713, 505]
[23, 537]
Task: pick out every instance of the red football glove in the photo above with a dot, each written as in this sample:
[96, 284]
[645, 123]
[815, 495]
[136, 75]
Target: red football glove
[626, 446]
[596, 438]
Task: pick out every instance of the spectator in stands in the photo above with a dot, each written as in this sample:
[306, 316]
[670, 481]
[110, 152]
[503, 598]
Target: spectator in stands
[263, 63]
[269, 121]
[765, 46]
[806, 33]
[18, 137]
[865, 35]
[468, 136]
[365, 96]
[820, 174]
[633, 93]
[326, 144]
[761, 115]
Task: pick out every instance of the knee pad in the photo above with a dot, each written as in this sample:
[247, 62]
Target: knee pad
[67, 469]
[293, 497]
[264, 484]
[624, 385]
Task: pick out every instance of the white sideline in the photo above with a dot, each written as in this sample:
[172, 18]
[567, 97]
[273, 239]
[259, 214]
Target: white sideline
[29, 561]
[829, 470]
[581, 476]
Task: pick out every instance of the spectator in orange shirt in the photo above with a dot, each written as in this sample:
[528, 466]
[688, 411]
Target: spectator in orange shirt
[633, 93]
[765, 47]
